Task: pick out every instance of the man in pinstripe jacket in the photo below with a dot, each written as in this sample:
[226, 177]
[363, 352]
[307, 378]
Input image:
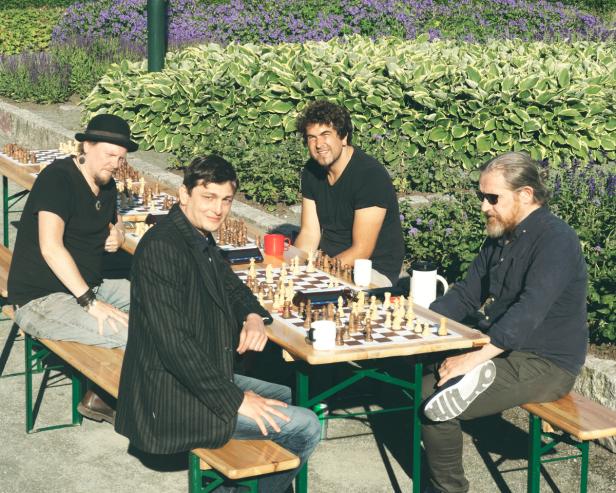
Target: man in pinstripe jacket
[189, 315]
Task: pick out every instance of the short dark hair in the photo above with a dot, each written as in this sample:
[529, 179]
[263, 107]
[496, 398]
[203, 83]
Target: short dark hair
[326, 113]
[209, 169]
[519, 170]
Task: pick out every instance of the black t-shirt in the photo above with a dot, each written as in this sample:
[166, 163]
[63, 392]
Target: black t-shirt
[62, 189]
[363, 183]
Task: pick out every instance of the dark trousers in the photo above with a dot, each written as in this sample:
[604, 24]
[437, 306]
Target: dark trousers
[520, 378]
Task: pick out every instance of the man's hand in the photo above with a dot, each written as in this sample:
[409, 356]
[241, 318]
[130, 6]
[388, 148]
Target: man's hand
[463, 363]
[102, 312]
[259, 408]
[114, 240]
[252, 336]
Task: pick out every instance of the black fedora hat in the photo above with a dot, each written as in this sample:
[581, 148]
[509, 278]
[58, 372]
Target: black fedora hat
[108, 128]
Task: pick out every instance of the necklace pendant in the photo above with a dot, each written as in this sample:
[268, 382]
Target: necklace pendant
[98, 205]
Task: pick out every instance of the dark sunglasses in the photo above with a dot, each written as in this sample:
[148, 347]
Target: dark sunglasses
[492, 198]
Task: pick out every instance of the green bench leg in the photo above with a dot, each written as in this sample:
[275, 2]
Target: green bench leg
[537, 449]
[196, 477]
[534, 455]
[35, 355]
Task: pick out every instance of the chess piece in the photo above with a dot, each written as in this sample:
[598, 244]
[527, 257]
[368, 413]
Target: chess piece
[339, 337]
[387, 323]
[308, 317]
[302, 307]
[310, 267]
[141, 186]
[417, 328]
[252, 272]
[395, 326]
[352, 323]
[330, 311]
[368, 331]
[260, 298]
[387, 301]
[296, 269]
[269, 275]
[426, 330]
[442, 328]
[283, 270]
[286, 309]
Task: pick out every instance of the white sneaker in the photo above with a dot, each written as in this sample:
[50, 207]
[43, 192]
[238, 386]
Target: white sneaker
[452, 398]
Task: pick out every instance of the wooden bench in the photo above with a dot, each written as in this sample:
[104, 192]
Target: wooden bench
[238, 460]
[5, 264]
[577, 417]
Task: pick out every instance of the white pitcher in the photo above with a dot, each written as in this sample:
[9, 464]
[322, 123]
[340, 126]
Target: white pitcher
[423, 282]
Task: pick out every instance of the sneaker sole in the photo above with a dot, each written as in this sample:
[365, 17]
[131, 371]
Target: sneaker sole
[449, 403]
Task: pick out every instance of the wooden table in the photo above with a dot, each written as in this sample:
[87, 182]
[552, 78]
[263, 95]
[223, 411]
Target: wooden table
[296, 349]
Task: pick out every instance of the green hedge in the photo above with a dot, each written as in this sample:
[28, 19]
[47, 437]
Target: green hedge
[27, 29]
[461, 102]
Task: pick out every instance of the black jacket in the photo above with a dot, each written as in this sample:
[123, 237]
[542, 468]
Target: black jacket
[176, 388]
[531, 291]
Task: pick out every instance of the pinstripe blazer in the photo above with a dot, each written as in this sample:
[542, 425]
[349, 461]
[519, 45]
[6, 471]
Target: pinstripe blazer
[176, 387]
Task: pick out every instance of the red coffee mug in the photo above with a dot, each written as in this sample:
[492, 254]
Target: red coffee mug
[275, 244]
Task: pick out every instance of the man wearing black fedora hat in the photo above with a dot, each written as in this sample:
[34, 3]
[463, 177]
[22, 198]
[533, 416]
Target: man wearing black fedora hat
[68, 222]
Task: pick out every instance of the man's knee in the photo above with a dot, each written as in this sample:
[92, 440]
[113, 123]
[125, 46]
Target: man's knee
[304, 423]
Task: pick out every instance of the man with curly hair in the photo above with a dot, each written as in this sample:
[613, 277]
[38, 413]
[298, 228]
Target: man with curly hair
[349, 204]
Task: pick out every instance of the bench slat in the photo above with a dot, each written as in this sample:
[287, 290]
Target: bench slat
[239, 459]
[577, 415]
[99, 365]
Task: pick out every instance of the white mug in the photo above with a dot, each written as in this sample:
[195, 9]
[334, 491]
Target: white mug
[362, 272]
[323, 334]
[423, 282]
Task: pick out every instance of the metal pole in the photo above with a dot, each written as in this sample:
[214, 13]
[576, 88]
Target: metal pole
[157, 34]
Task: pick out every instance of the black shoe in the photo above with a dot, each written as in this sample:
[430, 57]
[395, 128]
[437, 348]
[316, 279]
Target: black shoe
[452, 398]
[95, 408]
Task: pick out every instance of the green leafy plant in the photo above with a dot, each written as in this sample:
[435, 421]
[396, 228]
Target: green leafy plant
[415, 105]
[27, 29]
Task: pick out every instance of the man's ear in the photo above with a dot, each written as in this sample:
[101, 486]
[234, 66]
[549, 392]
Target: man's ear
[184, 195]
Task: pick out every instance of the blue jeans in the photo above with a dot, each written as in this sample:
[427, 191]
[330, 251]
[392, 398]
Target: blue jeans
[59, 317]
[300, 435]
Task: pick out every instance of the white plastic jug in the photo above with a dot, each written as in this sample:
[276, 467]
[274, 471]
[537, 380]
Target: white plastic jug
[423, 282]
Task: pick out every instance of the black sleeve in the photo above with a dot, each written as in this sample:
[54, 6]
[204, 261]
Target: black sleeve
[373, 188]
[52, 193]
[307, 182]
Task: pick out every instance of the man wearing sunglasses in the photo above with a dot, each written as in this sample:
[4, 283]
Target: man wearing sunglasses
[527, 290]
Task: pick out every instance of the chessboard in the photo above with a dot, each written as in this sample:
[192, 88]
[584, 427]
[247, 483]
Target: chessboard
[35, 160]
[303, 281]
[138, 211]
[380, 334]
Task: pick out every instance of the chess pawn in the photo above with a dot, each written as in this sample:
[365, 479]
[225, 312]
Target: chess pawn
[397, 322]
[387, 323]
[302, 308]
[286, 309]
[387, 301]
[374, 315]
[252, 272]
[296, 270]
[141, 186]
[372, 303]
[157, 188]
[417, 328]
[426, 330]
[283, 270]
[368, 331]
[260, 298]
[442, 328]
[330, 311]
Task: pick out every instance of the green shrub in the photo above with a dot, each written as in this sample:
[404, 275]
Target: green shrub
[22, 4]
[27, 29]
[413, 103]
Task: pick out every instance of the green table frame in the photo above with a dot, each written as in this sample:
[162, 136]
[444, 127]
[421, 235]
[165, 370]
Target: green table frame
[411, 388]
[8, 202]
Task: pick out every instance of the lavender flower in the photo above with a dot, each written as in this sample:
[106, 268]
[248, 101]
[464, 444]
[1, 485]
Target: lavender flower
[413, 231]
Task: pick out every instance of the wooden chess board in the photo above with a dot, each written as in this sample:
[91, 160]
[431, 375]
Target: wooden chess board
[43, 157]
[381, 335]
[305, 281]
[249, 244]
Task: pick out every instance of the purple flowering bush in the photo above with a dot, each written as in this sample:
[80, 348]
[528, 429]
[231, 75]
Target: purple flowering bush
[299, 20]
[450, 232]
[55, 75]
